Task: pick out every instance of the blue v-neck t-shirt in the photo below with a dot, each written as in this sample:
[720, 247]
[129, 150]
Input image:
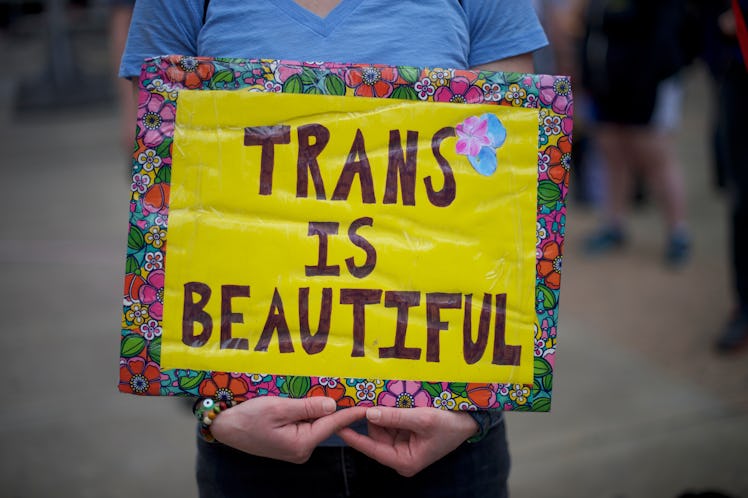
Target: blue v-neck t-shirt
[431, 33]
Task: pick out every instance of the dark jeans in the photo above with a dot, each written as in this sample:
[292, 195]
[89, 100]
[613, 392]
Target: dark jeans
[472, 470]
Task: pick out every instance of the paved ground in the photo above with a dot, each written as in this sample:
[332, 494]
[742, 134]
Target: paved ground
[643, 407]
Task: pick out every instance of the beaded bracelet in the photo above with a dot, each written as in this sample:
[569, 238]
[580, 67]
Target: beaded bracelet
[206, 410]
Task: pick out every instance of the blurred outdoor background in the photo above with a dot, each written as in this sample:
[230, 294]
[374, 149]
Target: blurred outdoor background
[643, 404]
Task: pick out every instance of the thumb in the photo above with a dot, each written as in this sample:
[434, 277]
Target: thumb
[309, 408]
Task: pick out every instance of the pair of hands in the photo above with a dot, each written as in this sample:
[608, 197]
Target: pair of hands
[407, 440]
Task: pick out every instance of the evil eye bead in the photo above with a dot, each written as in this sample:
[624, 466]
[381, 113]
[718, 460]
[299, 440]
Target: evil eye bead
[208, 404]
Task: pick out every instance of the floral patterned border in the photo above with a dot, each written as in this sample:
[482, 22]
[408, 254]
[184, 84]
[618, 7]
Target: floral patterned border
[160, 82]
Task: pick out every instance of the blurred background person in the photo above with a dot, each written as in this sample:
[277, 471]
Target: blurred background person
[724, 22]
[631, 54]
[120, 15]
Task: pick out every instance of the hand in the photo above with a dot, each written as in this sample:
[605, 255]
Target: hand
[282, 428]
[409, 440]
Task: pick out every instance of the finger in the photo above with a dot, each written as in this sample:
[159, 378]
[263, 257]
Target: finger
[324, 427]
[296, 410]
[398, 418]
[383, 452]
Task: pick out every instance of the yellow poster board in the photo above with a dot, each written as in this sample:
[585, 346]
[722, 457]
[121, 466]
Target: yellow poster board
[315, 235]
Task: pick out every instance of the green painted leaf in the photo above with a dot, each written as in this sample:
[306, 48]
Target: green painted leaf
[334, 84]
[513, 77]
[409, 73]
[154, 349]
[163, 149]
[546, 297]
[548, 383]
[132, 345]
[541, 405]
[548, 193]
[163, 175]
[536, 388]
[297, 386]
[459, 388]
[223, 76]
[308, 77]
[433, 389]
[135, 239]
[313, 90]
[541, 367]
[131, 265]
[293, 85]
[187, 383]
[405, 93]
[521, 408]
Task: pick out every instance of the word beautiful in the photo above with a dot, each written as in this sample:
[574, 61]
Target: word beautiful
[313, 343]
[198, 323]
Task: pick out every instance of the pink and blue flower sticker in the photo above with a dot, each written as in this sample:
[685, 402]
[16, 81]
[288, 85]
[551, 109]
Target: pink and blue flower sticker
[478, 137]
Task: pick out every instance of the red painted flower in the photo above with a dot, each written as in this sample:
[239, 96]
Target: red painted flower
[482, 395]
[332, 389]
[224, 387]
[460, 90]
[138, 376]
[190, 71]
[549, 266]
[560, 161]
[133, 283]
[371, 81]
[156, 199]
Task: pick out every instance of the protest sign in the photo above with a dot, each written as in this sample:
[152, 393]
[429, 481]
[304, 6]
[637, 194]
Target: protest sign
[400, 250]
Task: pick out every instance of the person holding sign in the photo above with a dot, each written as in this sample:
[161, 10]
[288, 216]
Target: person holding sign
[443, 453]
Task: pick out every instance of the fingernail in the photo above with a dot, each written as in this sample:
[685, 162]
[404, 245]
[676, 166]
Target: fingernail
[373, 414]
[329, 405]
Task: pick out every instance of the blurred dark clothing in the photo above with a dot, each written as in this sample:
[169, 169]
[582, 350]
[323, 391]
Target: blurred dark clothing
[629, 47]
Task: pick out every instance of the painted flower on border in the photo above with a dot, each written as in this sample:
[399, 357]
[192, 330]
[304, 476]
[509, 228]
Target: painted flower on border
[482, 395]
[137, 314]
[153, 261]
[334, 390]
[140, 376]
[445, 401]
[224, 387]
[549, 266]
[404, 394]
[149, 160]
[155, 236]
[371, 81]
[156, 199]
[152, 294]
[559, 161]
[424, 88]
[519, 394]
[515, 94]
[366, 391]
[460, 91]
[150, 329]
[556, 92]
[140, 183]
[156, 118]
[190, 71]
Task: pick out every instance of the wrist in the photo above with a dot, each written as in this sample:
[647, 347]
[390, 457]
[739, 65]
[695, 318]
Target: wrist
[206, 410]
[486, 420]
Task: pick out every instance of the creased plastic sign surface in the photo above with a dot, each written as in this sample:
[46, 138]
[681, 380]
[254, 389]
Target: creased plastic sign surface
[357, 238]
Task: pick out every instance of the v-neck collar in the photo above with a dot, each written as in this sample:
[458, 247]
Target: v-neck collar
[322, 25]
